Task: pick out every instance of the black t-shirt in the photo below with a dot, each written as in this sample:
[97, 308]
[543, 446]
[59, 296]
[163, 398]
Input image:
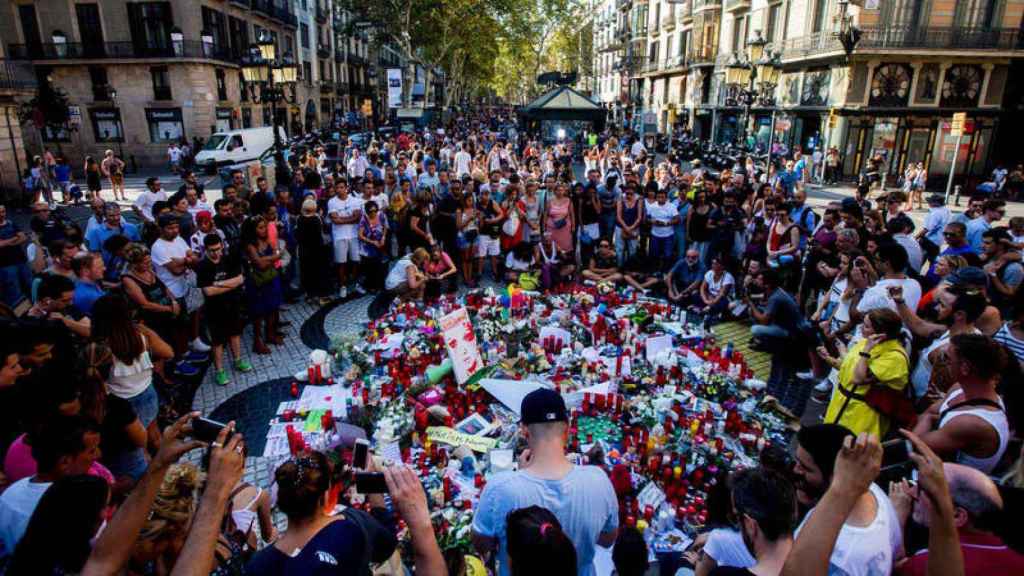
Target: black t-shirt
[343, 547]
[784, 311]
[10, 255]
[208, 273]
[113, 439]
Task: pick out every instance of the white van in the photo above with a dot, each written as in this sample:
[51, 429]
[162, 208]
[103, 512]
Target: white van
[235, 146]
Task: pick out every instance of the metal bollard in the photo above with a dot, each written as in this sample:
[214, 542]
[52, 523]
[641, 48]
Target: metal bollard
[956, 194]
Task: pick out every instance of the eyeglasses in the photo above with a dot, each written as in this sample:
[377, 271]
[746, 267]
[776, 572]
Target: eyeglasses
[949, 234]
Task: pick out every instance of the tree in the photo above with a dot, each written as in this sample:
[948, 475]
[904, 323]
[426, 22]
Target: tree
[48, 109]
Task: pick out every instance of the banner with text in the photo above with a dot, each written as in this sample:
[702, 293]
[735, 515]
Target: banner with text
[394, 87]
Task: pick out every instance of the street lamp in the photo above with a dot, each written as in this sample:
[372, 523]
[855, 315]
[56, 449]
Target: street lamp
[753, 78]
[275, 78]
[120, 124]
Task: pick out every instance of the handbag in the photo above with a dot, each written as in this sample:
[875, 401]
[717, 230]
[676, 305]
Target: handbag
[194, 297]
[263, 277]
[511, 225]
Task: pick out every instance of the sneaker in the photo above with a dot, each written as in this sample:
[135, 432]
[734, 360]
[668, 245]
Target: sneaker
[243, 366]
[358, 289]
[183, 368]
[824, 386]
[222, 378]
[194, 357]
[809, 375]
[343, 293]
[199, 346]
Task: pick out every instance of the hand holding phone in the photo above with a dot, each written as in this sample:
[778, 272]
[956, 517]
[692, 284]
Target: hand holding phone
[206, 430]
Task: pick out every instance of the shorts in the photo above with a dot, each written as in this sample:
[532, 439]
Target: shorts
[117, 179]
[146, 405]
[487, 246]
[223, 322]
[346, 250]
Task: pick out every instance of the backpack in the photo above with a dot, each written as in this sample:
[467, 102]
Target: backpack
[232, 552]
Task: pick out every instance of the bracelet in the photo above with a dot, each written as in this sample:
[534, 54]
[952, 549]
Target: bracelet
[865, 355]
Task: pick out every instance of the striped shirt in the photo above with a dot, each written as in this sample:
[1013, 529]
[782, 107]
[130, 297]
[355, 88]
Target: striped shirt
[1005, 337]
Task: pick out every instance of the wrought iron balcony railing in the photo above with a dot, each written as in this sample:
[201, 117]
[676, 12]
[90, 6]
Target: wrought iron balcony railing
[110, 50]
[17, 76]
[901, 37]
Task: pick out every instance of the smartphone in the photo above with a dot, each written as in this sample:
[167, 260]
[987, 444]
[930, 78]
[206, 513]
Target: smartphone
[896, 453]
[371, 483]
[206, 430]
[360, 454]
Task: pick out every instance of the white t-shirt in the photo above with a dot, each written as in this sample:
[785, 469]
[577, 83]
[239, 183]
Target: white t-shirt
[399, 272]
[726, 548]
[637, 149]
[462, 161]
[174, 153]
[162, 253]
[726, 282]
[380, 198]
[878, 295]
[661, 213]
[17, 504]
[871, 550]
[344, 208]
[199, 207]
[144, 203]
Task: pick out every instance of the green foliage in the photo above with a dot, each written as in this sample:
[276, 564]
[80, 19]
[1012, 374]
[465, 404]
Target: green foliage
[49, 105]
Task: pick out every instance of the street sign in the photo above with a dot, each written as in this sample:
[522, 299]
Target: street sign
[75, 115]
[959, 119]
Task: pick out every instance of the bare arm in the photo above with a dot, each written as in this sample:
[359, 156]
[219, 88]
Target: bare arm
[116, 544]
[226, 467]
[159, 349]
[134, 292]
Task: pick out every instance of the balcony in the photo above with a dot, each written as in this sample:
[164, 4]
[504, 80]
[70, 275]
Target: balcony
[702, 5]
[323, 50]
[684, 11]
[651, 66]
[341, 87]
[119, 50]
[668, 22]
[902, 38]
[736, 5]
[17, 76]
[623, 4]
[321, 14]
[703, 56]
[356, 59]
[339, 54]
[326, 86]
[280, 13]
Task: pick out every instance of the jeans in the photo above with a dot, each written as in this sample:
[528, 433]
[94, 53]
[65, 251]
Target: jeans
[661, 248]
[146, 405]
[625, 248]
[15, 283]
[772, 336]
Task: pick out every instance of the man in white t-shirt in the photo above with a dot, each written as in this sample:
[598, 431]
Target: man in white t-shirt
[463, 162]
[345, 211]
[357, 165]
[637, 149]
[173, 261]
[892, 260]
[871, 539]
[174, 156]
[143, 205]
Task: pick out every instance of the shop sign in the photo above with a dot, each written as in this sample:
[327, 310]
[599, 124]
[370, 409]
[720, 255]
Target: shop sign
[75, 115]
[223, 113]
[959, 119]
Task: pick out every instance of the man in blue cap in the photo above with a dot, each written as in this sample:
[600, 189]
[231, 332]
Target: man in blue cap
[581, 497]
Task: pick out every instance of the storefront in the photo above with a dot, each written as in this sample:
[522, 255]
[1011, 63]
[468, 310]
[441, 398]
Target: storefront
[165, 125]
[106, 124]
[225, 121]
[900, 140]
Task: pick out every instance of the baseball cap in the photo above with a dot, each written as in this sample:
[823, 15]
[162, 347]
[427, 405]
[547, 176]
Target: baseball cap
[968, 276]
[543, 405]
[204, 215]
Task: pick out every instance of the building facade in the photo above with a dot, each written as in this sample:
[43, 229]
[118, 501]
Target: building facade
[917, 63]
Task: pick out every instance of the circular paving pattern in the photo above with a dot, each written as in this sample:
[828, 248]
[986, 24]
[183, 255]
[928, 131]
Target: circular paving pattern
[252, 409]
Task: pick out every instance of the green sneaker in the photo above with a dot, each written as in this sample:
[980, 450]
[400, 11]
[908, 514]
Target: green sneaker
[223, 378]
[242, 366]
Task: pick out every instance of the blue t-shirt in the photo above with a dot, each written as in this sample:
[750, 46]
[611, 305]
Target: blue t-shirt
[683, 275]
[86, 294]
[583, 501]
[100, 234]
[975, 229]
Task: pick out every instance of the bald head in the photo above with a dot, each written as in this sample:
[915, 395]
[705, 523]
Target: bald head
[974, 494]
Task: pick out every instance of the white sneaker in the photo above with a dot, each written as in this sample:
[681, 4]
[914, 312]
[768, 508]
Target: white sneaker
[343, 293]
[824, 386]
[358, 289]
[200, 346]
[805, 375]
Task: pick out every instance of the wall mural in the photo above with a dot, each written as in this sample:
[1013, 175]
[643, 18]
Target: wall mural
[816, 87]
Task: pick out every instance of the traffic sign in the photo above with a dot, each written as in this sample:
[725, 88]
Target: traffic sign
[957, 128]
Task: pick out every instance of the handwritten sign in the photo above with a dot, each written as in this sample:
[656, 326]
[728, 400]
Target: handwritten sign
[453, 437]
[460, 341]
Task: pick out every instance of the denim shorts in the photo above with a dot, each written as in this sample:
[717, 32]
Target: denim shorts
[146, 405]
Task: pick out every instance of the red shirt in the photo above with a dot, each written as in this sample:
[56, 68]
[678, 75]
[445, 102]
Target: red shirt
[984, 555]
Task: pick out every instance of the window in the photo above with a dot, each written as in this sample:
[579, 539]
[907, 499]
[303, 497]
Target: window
[307, 72]
[738, 33]
[238, 30]
[89, 28]
[150, 24]
[106, 124]
[820, 10]
[214, 23]
[165, 124]
[161, 83]
[222, 85]
[243, 94]
[773, 22]
[100, 83]
[684, 42]
[225, 122]
[246, 117]
[652, 52]
[304, 34]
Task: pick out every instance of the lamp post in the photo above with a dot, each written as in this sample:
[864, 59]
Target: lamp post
[275, 78]
[120, 124]
[753, 79]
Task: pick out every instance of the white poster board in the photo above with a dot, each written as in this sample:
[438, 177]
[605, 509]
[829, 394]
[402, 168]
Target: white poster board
[460, 341]
[394, 87]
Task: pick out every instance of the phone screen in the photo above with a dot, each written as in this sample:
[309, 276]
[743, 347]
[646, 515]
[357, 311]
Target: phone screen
[371, 483]
[360, 454]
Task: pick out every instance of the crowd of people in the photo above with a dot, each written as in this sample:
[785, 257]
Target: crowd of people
[908, 334]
